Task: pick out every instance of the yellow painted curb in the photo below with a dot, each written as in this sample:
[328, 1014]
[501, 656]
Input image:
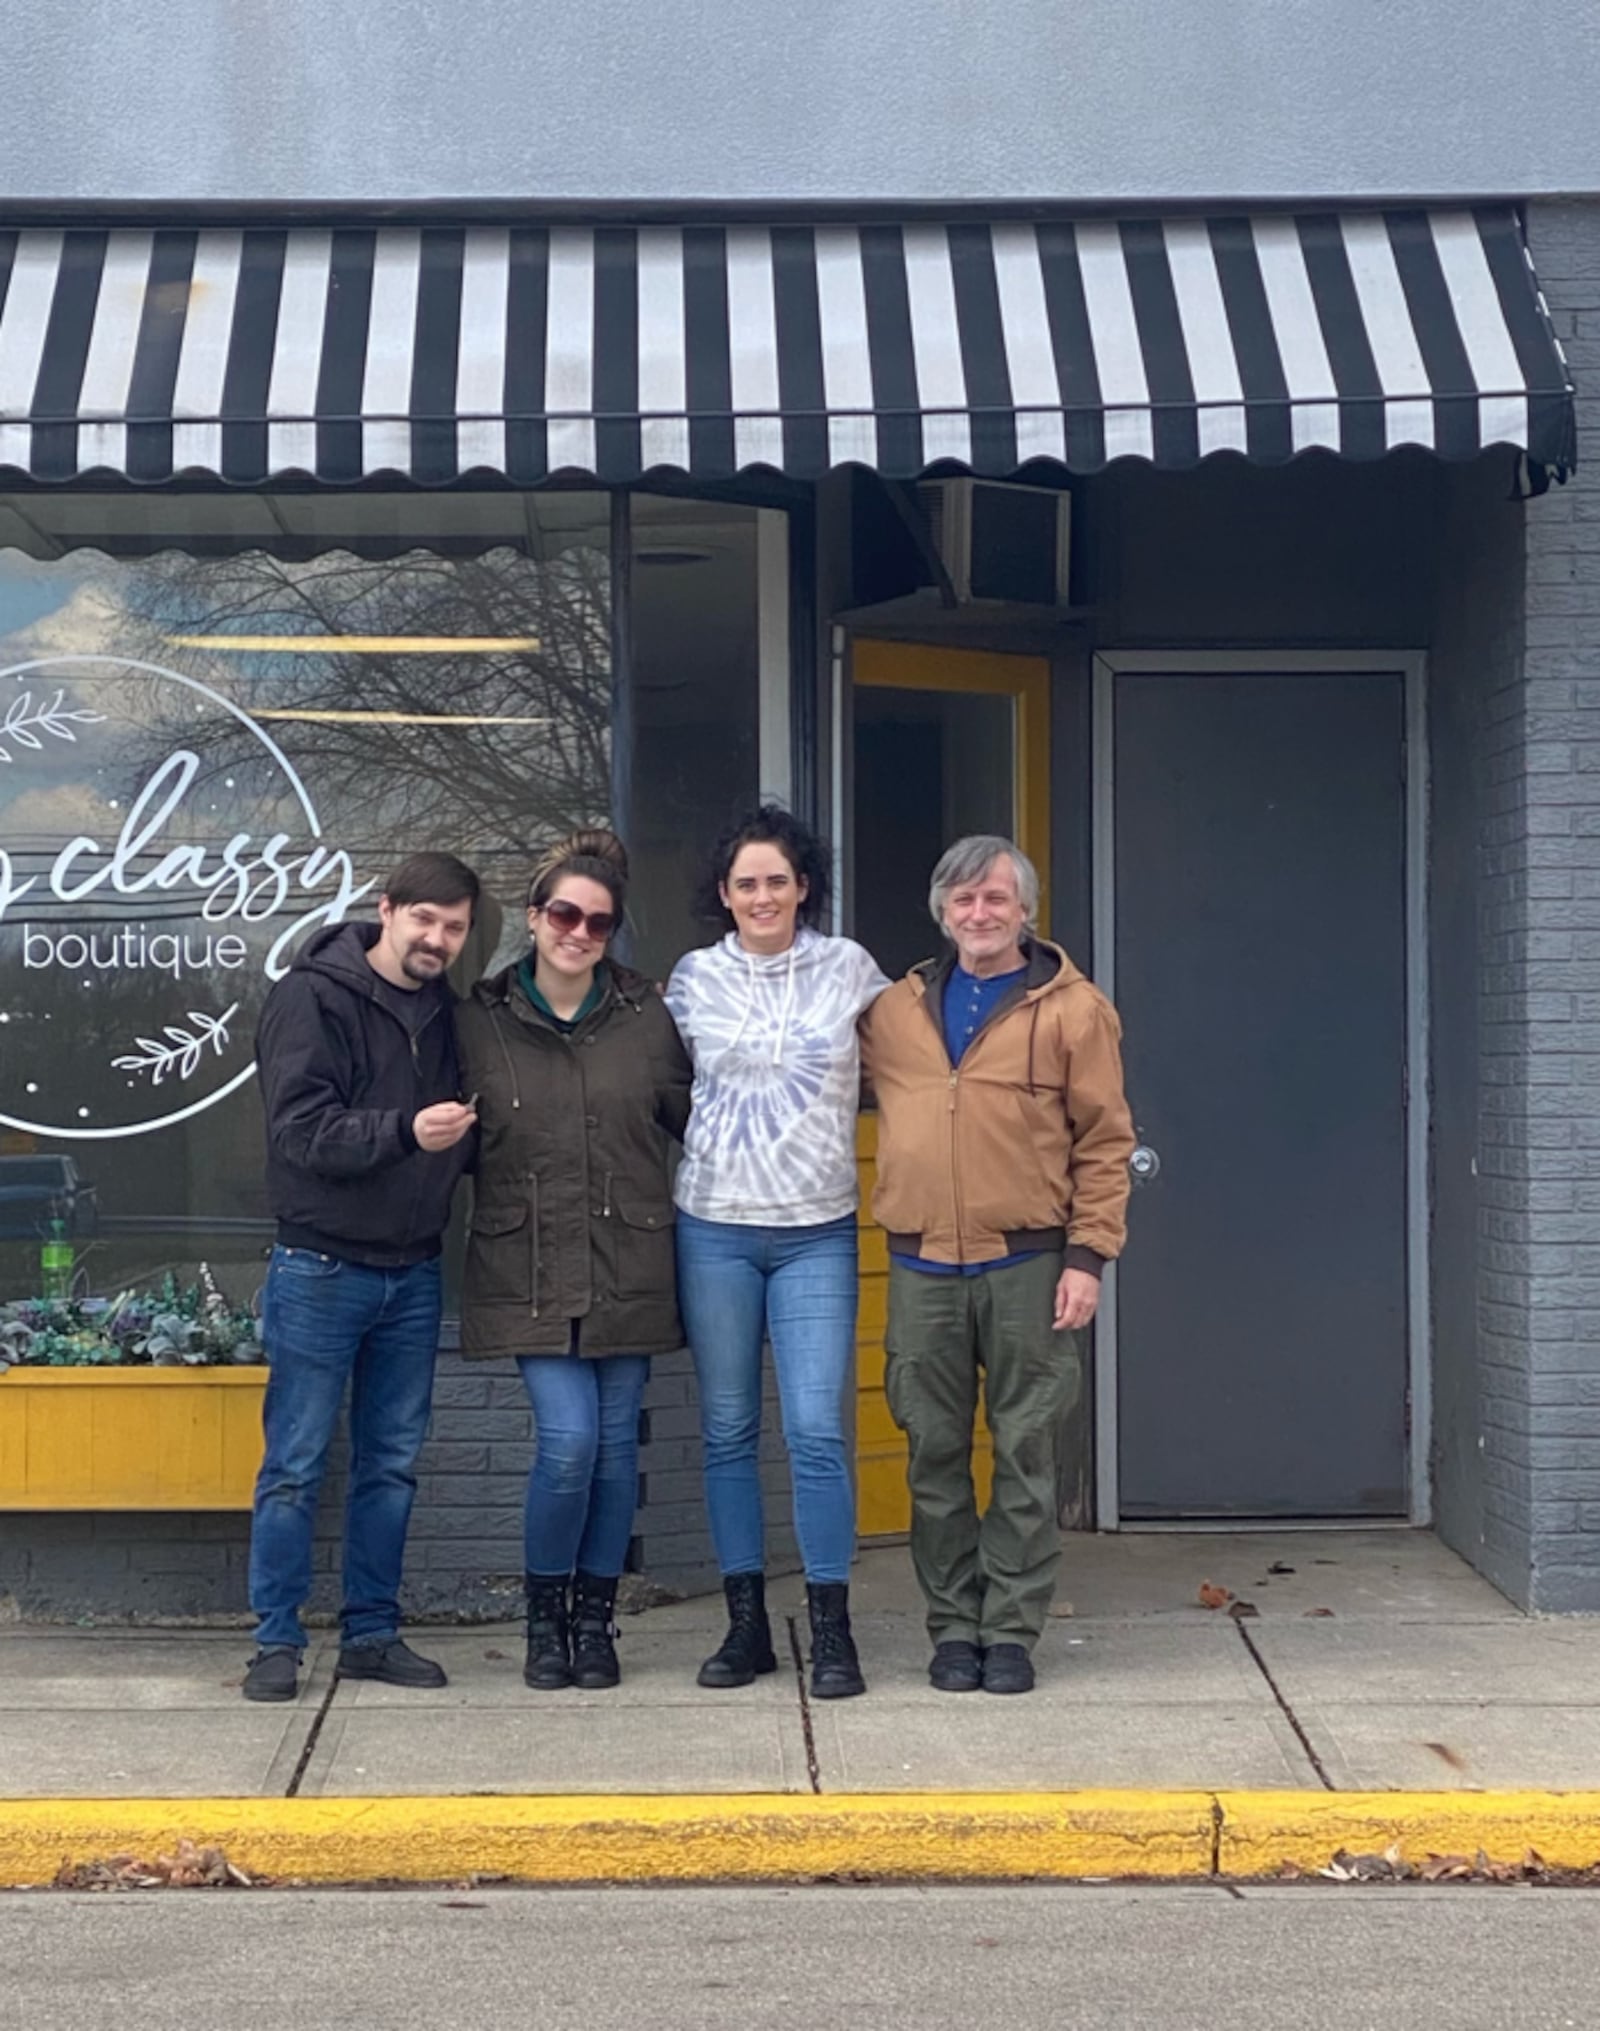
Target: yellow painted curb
[919, 1836]
[947, 1836]
[1261, 1830]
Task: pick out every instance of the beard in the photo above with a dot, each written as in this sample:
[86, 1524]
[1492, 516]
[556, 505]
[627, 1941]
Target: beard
[421, 964]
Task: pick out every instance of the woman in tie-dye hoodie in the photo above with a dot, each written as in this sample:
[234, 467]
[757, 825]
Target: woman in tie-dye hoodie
[766, 1224]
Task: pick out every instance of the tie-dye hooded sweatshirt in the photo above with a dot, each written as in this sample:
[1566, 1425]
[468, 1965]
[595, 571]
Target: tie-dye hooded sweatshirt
[771, 1139]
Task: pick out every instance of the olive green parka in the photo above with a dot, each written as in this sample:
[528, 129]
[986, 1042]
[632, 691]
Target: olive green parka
[572, 1215]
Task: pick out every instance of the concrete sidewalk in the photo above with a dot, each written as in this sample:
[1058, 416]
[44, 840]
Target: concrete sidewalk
[1375, 1662]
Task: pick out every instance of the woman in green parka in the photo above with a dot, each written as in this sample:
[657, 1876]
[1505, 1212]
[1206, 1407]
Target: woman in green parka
[581, 1082]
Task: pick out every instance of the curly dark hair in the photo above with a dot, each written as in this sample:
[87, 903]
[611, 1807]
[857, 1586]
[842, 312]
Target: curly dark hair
[770, 825]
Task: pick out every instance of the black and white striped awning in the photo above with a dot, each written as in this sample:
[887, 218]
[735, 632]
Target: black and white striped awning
[614, 351]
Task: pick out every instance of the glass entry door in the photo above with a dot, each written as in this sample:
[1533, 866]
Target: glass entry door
[945, 742]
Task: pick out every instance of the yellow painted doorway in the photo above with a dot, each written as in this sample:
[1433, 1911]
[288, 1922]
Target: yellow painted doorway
[945, 742]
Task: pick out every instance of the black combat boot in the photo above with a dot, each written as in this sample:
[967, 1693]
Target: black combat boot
[549, 1665]
[835, 1668]
[594, 1629]
[747, 1647]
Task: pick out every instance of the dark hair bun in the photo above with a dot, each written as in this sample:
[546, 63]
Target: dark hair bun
[594, 843]
[592, 850]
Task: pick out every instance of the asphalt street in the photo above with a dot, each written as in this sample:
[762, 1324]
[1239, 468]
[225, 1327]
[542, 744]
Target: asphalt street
[1315, 1958]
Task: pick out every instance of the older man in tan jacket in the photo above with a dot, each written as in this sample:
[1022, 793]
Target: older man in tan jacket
[1003, 1146]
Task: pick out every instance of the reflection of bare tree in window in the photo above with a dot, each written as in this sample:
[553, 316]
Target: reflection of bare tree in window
[384, 782]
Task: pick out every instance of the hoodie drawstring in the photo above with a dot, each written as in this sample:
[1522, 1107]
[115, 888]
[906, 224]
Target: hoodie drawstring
[785, 1010]
[749, 1000]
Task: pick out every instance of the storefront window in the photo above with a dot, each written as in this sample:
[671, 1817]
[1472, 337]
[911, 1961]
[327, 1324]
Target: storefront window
[214, 738]
[702, 598]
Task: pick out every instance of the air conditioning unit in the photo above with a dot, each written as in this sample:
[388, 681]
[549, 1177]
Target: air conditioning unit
[999, 541]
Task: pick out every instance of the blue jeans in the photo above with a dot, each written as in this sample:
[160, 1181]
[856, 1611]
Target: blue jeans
[584, 1487]
[796, 1286]
[325, 1323]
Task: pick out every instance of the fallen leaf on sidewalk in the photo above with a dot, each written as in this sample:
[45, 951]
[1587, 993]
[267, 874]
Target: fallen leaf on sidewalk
[1313, 1613]
[495, 1656]
[1243, 1611]
[1446, 1754]
[1278, 1566]
[1212, 1596]
[1392, 1867]
[1062, 1609]
[1389, 1867]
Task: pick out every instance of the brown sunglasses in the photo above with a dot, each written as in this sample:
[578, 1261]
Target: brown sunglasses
[567, 918]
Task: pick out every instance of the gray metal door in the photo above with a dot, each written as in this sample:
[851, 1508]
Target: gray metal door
[1260, 972]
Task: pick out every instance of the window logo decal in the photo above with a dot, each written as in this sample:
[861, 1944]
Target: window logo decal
[161, 860]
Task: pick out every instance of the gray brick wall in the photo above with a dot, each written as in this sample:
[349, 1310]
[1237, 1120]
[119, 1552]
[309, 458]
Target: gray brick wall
[1538, 1281]
[465, 1552]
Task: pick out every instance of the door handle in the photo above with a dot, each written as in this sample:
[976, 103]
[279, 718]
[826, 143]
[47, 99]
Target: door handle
[1145, 1164]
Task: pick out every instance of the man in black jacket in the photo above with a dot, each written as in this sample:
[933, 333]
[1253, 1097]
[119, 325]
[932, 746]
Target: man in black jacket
[367, 1136]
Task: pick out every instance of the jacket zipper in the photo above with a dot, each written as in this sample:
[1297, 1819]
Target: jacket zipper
[955, 1166]
[414, 1039]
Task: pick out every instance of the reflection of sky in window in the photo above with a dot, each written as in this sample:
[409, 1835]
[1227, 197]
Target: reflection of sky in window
[480, 788]
[495, 794]
[27, 594]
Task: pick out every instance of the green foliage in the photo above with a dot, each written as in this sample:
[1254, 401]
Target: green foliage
[173, 1326]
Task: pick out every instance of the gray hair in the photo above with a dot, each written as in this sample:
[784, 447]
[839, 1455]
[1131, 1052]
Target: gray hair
[969, 860]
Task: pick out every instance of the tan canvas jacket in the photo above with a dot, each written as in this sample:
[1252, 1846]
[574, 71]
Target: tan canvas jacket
[1025, 1143]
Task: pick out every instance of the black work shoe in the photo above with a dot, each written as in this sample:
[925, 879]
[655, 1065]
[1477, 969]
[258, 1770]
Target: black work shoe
[273, 1674]
[548, 1666]
[747, 1648]
[1007, 1668]
[391, 1663]
[835, 1668]
[956, 1667]
[594, 1632]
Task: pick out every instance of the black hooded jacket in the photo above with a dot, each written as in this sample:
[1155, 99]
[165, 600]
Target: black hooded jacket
[341, 1080]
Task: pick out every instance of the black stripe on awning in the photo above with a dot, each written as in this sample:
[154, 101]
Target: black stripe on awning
[710, 350]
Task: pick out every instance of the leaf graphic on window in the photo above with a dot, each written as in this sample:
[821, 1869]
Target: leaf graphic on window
[22, 723]
[181, 1055]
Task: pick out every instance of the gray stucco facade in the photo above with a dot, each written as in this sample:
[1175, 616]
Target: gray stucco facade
[1126, 101]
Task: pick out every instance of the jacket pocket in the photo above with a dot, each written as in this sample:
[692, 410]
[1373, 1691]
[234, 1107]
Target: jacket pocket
[643, 1244]
[502, 1253]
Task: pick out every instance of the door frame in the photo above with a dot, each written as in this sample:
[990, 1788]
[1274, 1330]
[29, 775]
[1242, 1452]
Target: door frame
[1410, 665]
[1027, 678]
[1023, 676]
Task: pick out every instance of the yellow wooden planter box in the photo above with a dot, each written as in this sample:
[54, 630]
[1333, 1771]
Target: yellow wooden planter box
[130, 1438]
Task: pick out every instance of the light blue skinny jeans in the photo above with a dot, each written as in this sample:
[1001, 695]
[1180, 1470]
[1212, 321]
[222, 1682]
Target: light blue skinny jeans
[584, 1487]
[739, 1286]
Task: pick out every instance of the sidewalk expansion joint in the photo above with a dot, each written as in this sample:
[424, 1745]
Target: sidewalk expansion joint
[1287, 1711]
[813, 1767]
[309, 1748]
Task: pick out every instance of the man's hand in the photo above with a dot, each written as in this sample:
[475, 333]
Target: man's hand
[1077, 1295]
[442, 1127]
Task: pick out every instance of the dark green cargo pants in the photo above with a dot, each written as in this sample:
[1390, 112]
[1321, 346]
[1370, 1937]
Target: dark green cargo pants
[986, 1580]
